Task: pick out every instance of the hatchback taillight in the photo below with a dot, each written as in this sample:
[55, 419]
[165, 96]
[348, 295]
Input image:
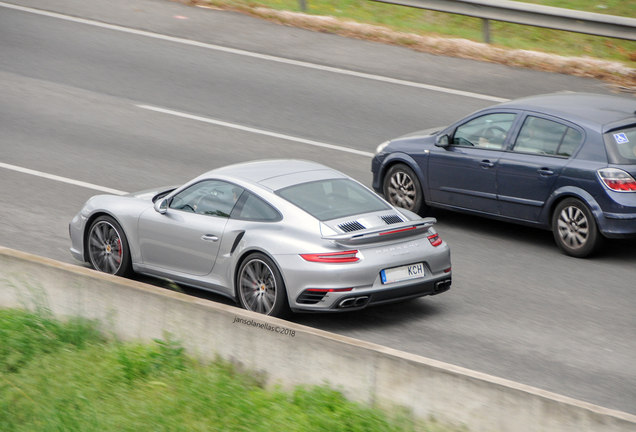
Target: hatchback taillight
[617, 180]
[334, 257]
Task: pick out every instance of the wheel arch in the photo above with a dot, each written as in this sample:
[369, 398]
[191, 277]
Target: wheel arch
[403, 158]
[239, 262]
[87, 227]
[572, 192]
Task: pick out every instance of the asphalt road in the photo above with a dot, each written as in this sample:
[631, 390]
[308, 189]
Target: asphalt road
[74, 100]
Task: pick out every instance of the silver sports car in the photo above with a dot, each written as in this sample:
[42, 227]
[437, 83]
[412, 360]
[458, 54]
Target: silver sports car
[275, 236]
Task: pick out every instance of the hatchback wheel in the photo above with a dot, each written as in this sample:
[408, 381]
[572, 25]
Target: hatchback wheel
[402, 189]
[107, 247]
[260, 286]
[575, 229]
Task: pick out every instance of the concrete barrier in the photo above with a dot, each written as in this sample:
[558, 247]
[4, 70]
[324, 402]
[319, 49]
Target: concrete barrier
[289, 354]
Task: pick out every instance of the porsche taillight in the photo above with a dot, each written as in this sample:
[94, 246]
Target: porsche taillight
[333, 257]
[435, 239]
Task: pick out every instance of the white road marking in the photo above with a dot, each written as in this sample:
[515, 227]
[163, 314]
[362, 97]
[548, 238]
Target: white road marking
[62, 179]
[257, 131]
[219, 122]
[256, 55]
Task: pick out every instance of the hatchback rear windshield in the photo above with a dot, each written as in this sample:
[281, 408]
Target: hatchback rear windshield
[333, 199]
[621, 146]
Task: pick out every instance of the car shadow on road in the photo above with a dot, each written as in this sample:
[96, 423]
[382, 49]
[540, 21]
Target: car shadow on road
[184, 289]
[378, 316]
[383, 316]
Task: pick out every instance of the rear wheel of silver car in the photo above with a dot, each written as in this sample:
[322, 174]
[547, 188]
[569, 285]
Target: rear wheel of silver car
[575, 229]
[260, 286]
[402, 189]
[108, 250]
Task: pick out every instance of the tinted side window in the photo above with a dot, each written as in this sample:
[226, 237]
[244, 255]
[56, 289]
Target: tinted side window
[570, 142]
[209, 197]
[488, 131]
[546, 137]
[253, 208]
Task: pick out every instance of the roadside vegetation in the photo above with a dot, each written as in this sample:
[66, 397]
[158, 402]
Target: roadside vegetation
[68, 376]
[431, 31]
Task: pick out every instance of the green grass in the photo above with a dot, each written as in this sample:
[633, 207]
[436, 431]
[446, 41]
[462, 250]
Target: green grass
[514, 36]
[68, 377]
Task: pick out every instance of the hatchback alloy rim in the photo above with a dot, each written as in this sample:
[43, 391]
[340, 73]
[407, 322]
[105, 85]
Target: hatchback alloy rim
[402, 190]
[105, 248]
[573, 227]
[258, 287]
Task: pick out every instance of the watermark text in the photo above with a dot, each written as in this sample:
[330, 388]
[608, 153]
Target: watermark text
[280, 330]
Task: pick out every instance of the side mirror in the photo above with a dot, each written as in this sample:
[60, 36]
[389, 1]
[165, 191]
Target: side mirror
[161, 206]
[442, 141]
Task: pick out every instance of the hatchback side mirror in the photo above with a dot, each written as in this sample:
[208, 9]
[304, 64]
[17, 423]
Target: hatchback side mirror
[161, 206]
[442, 141]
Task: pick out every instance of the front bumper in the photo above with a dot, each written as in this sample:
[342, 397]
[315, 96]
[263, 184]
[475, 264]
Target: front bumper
[76, 233]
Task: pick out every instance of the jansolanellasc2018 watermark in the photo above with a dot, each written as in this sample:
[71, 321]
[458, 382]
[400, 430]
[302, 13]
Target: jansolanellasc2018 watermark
[280, 330]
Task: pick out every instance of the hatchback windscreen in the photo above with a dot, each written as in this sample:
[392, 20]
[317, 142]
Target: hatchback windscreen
[332, 199]
[621, 146]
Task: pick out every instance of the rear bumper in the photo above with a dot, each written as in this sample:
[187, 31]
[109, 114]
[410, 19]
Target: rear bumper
[618, 219]
[360, 299]
[618, 225]
[317, 287]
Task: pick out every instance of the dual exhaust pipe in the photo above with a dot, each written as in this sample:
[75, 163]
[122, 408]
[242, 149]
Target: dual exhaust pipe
[353, 302]
[442, 286]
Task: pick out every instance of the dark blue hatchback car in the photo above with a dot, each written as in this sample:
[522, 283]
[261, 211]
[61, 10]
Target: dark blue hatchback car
[564, 162]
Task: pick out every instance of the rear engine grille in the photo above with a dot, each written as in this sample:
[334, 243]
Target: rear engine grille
[391, 219]
[351, 226]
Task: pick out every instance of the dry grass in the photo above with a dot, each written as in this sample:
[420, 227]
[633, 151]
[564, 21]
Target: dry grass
[618, 75]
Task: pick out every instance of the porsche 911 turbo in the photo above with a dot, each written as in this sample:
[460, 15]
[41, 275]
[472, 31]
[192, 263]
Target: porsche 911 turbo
[275, 236]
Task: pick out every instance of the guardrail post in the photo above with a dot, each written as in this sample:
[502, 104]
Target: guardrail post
[303, 5]
[486, 30]
[519, 12]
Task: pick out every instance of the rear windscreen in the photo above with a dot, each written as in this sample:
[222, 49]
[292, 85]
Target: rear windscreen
[333, 199]
[621, 146]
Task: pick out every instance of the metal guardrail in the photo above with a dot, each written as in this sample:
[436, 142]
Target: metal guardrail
[530, 14]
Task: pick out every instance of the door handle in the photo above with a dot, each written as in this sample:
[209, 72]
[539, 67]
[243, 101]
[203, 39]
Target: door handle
[209, 237]
[486, 164]
[545, 172]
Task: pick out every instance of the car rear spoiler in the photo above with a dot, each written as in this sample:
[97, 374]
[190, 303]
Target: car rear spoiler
[385, 233]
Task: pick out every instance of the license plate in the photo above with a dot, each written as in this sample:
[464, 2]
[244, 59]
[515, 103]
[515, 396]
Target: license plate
[403, 273]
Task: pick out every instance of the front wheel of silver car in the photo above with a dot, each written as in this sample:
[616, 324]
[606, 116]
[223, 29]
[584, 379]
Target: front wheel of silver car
[575, 229]
[260, 286]
[108, 250]
[402, 189]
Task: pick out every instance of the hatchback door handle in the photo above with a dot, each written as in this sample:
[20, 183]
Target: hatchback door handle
[545, 172]
[486, 164]
[209, 237]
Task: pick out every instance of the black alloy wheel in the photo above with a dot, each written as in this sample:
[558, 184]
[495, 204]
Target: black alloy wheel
[108, 250]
